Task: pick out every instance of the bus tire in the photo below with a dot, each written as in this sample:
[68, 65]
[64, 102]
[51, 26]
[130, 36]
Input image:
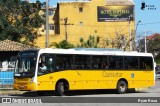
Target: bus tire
[122, 87]
[60, 89]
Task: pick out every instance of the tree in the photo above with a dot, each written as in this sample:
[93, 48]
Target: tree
[119, 42]
[90, 43]
[63, 44]
[153, 46]
[20, 21]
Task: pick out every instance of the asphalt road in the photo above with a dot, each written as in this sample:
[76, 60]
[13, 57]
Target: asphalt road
[87, 98]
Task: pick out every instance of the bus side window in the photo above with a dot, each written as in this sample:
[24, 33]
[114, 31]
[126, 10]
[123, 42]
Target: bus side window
[146, 63]
[131, 63]
[96, 62]
[99, 62]
[116, 62]
[49, 61]
[64, 62]
[82, 62]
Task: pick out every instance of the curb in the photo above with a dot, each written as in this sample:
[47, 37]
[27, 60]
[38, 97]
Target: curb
[11, 92]
[141, 89]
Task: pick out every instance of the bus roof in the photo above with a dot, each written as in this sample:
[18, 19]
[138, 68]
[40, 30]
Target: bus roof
[93, 51]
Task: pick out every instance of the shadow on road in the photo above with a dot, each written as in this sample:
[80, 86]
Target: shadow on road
[73, 93]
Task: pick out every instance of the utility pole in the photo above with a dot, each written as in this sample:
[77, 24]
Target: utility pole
[139, 48]
[66, 31]
[145, 41]
[130, 38]
[136, 34]
[66, 27]
[137, 25]
[47, 26]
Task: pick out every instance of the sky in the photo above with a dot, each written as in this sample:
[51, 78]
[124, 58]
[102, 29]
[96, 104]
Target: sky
[150, 18]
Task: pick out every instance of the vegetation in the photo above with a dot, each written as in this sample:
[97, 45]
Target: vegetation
[119, 42]
[63, 44]
[92, 42]
[20, 21]
[153, 46]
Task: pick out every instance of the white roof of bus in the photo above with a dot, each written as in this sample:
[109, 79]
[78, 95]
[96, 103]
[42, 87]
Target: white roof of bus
[93, 52]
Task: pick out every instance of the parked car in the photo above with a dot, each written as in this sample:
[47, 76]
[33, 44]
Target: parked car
[157, 75]
[158, 68]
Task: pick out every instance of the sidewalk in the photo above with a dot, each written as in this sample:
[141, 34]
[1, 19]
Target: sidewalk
[10, 92]
[16, 92]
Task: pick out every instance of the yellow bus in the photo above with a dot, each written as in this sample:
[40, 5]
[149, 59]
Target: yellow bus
[63, 70]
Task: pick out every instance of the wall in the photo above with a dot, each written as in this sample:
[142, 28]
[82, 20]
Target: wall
[90, 26]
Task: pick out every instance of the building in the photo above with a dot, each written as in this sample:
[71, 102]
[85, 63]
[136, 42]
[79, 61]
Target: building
[107, 19]
[40, 42]
[153, 36]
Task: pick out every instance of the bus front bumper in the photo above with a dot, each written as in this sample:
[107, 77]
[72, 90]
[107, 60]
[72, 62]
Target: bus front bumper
[25, 87]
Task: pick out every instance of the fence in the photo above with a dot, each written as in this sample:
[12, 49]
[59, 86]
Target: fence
[6, 79]
[6, 74]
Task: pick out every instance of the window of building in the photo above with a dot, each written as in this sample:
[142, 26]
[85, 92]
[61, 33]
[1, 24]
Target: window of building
[81, 23]
[80, 9]
[50, 12]
[51, 27]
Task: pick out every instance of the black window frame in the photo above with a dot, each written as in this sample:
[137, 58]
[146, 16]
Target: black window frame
[89, 65]
[80, 9]
[150, 63]
[116, 63]
[103, 62]
[51, 68]
[64, 67]
[128, 62]
[85, 66]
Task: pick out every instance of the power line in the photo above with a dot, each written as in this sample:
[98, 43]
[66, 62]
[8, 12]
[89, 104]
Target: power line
[150, 23]
[115, 25]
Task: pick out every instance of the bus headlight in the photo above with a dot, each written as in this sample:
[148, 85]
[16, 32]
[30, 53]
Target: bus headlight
[32, 80]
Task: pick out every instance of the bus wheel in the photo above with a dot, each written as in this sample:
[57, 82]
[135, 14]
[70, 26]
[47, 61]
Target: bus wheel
[122, 87]
[60, 89]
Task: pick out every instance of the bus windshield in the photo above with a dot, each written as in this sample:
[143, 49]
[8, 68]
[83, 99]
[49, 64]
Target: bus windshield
[25, 66]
